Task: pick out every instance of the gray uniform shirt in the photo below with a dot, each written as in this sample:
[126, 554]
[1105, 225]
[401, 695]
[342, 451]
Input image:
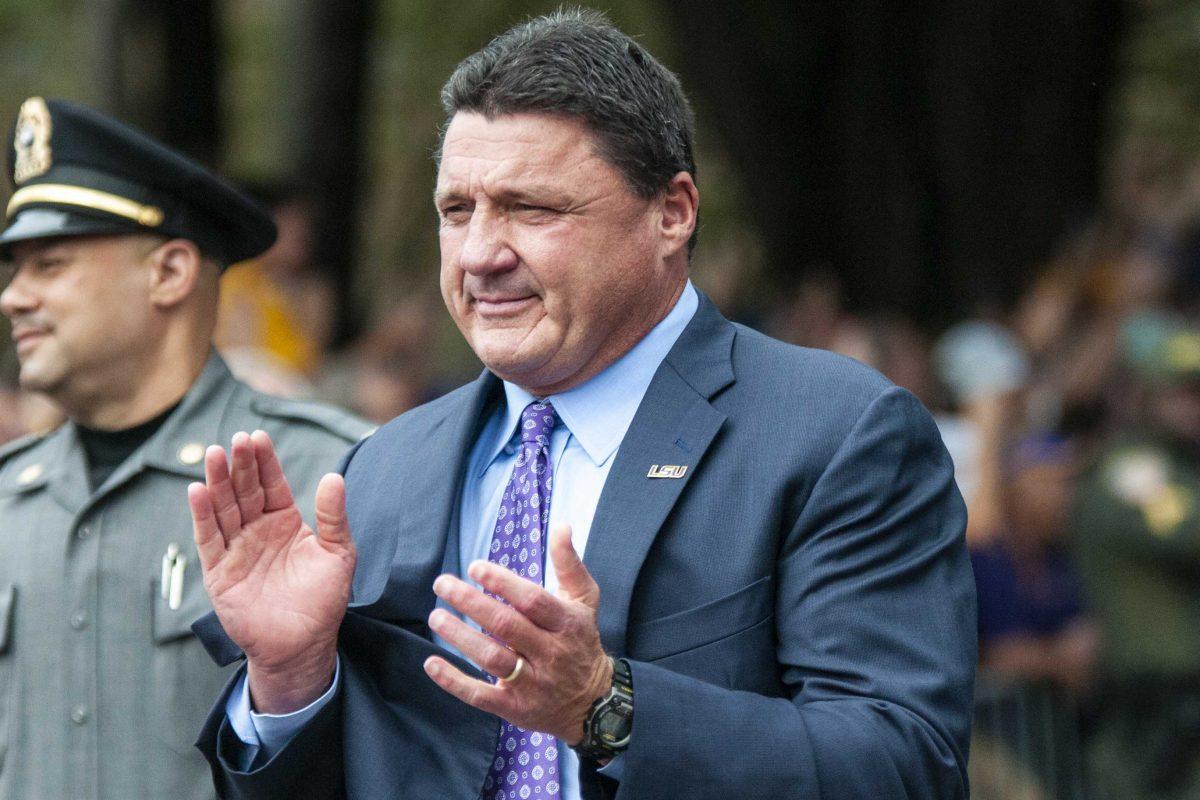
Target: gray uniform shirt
[103, 687]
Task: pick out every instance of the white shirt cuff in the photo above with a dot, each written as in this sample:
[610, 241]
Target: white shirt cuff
[266, 734]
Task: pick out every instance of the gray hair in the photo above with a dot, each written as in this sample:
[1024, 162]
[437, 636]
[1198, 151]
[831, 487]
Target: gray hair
[575, 63]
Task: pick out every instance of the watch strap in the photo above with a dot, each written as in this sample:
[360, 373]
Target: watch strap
[609, 723]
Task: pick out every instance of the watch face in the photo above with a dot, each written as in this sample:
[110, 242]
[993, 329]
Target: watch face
[614, 722]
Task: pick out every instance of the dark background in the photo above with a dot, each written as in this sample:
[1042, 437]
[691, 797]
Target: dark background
[927, 157]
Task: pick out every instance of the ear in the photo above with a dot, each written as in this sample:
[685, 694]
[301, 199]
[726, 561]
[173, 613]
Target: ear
[680, 204]
[174, 269]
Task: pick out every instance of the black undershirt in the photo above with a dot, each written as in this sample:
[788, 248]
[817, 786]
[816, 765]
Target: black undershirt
[107, 450]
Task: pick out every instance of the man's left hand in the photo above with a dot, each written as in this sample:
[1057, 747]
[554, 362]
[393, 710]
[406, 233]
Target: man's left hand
[565, 668]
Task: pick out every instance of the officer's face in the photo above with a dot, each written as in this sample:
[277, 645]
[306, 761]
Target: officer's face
[551, 267]
[78, 310]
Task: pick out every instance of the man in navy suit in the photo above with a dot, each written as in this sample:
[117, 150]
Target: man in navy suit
[773, 598]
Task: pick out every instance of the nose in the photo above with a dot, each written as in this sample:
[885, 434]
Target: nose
[16, 297]
[485, 247]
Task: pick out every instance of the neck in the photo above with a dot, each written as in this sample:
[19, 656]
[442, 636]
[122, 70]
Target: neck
[143, 390]
[654, 315]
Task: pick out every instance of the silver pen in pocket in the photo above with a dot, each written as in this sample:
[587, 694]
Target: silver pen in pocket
[168, 563]
[177, 582]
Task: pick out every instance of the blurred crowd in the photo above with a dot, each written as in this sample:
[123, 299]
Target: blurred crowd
[1072, 418]
[1074, 424]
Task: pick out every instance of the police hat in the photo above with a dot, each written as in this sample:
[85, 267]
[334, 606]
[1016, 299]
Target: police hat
[76, 171]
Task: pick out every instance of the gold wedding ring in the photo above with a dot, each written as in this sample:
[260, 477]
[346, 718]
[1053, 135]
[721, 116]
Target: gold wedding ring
[516, 671]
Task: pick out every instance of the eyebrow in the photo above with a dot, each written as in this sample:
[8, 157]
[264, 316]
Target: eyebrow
[440, 196]
[538, 193]
[58, 249]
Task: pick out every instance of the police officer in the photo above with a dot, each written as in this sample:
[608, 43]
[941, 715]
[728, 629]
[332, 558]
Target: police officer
[116, 245]
[1137, 536]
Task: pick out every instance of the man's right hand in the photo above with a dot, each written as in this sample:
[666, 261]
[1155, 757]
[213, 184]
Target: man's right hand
[279, 590]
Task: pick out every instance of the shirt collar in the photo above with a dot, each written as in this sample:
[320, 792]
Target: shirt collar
[599, 411]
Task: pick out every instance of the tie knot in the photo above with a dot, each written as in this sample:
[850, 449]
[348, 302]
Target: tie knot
[537, 423]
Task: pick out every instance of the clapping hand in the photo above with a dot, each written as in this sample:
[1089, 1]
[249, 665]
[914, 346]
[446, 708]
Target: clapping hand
[563, 668]
[279, 590]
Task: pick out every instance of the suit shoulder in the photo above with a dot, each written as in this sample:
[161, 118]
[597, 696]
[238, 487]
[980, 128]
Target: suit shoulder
[420, 418]
[320, 417]
[804, 403]
[789, 370]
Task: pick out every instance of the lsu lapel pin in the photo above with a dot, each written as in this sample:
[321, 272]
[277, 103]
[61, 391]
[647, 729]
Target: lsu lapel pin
[666, 471]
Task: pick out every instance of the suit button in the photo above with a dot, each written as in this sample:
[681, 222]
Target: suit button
[79, 620]
[79, 714]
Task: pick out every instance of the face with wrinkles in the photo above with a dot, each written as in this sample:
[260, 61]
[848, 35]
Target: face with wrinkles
[552, 267]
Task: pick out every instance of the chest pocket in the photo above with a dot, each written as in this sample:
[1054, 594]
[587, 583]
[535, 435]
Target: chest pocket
[727, 616]
[184, 680]
[178, 598]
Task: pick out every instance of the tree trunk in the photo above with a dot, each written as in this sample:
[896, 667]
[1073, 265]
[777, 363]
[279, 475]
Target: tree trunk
[327, 83]
[155, 66]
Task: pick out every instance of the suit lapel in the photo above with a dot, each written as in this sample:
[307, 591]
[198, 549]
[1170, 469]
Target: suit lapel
[674, 425]
[413, 512]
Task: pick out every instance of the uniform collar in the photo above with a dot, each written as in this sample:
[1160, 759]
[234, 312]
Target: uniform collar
[195, 424]
[179, 443]
[599, 411]
[177, 446]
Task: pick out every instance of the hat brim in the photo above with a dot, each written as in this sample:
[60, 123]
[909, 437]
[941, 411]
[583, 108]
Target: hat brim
[44, 223]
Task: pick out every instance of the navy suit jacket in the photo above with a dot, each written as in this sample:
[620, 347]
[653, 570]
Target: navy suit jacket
[798, 607]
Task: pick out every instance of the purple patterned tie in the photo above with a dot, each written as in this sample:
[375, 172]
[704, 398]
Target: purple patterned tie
[526, 763]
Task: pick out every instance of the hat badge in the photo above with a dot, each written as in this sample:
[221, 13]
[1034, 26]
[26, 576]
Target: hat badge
[32, 140]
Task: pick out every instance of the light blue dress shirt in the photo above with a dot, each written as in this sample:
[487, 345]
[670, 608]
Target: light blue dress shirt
[593, 420]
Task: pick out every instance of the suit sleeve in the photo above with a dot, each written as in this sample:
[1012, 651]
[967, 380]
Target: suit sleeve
[309, 765]
[385, 729]
[875, 630]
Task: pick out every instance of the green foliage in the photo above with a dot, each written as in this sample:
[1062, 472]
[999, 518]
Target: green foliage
[43, 52]
[1160, 96]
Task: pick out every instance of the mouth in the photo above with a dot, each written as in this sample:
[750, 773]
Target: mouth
[497, 306]
[27, 338]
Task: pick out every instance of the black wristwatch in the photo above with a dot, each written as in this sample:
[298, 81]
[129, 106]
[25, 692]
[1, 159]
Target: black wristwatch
[608, 725]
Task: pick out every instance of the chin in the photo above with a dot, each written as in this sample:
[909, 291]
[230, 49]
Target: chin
[33, 379]
[522, 371]
[505, 349]
[509, 369]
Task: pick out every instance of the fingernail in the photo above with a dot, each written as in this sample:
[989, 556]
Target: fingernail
[440, 585]
[475, 571]
[432, 668]
[436, 618]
